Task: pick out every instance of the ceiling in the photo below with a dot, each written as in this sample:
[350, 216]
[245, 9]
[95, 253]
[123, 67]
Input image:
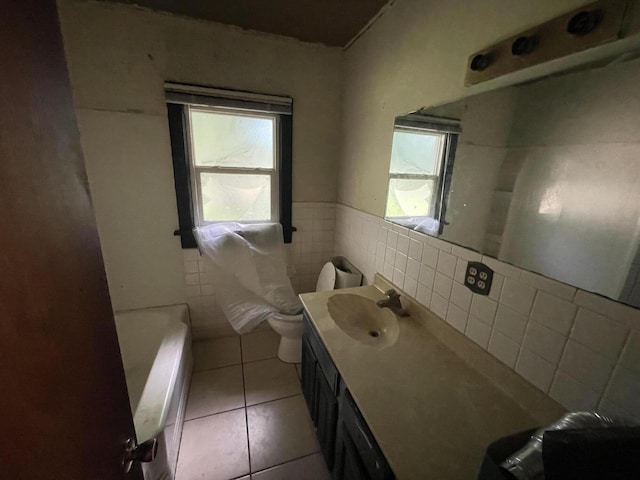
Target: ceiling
[332, 22]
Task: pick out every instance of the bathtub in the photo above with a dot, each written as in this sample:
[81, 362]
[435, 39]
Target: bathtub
[155, 344]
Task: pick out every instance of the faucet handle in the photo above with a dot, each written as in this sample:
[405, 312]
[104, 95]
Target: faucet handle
[391, 293]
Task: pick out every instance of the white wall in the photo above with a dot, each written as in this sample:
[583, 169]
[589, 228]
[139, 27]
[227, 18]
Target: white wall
[119, 58]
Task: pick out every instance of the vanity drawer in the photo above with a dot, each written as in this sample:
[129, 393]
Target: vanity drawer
[321, 354]
[368, 451]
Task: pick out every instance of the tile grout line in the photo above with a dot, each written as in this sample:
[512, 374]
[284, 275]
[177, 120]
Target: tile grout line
[246, 406]
[288, 461]
[246, 415]
[235, 364]
[616, 367]
[217, 368]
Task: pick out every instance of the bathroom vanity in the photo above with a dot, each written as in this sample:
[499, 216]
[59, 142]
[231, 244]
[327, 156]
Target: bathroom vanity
[347, 444]
[406, 399]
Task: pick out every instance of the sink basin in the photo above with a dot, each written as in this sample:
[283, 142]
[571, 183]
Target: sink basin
[363, 320]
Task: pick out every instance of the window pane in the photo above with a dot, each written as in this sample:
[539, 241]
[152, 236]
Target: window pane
[415, 152]
[234, 197]
[410, 198]
[232, 140]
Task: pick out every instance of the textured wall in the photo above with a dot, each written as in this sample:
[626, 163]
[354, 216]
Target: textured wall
[119, 58]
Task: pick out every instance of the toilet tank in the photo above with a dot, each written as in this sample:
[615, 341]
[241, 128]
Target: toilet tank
[338, 273]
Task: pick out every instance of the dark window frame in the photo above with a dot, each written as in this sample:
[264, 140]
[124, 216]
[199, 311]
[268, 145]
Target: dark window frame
[177, 110]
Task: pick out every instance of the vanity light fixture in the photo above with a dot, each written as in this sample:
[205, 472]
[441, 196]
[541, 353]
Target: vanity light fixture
[580, 29]
[524, 45]
[480, 62]
[584, 22]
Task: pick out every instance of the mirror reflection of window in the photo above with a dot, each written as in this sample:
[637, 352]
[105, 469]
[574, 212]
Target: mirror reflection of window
[416, 174]
[413, 177]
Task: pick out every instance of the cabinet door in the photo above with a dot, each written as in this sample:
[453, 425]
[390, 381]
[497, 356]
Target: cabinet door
[348, 466]
[308, 377]
[326, 417]
[363, 441]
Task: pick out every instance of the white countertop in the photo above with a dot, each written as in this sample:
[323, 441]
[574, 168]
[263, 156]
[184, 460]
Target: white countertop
[434, 400]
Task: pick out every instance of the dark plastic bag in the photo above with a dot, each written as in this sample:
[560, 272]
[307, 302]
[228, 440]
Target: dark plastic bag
[592, 454]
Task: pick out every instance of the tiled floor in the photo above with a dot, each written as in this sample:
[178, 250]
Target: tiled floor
[246, 418]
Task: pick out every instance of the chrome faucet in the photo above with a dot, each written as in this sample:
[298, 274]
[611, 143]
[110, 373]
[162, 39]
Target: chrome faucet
[393, 303]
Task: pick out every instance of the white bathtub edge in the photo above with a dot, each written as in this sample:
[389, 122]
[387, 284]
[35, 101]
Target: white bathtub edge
[151, 415]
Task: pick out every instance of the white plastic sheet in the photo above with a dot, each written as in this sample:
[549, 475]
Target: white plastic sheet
[426, 225]
[248, 270]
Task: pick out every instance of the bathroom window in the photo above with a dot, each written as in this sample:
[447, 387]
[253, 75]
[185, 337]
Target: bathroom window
[234, 165]
[231, 157]
[421, 162]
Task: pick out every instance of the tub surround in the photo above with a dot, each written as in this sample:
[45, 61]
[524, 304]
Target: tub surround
[434, 400]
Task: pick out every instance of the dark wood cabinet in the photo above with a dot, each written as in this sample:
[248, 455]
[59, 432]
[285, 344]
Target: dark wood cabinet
[346, 442]
[326, 416]
[348, 465]
[308, 376]
[321, 399]
[359, 441]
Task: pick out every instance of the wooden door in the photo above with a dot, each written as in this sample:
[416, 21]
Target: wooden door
[64, 405]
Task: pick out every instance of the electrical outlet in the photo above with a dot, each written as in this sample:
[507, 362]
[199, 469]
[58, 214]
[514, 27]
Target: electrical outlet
[478, 278]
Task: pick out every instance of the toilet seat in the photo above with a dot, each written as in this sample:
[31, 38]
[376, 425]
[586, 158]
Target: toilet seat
[291, 327]
[281, 317]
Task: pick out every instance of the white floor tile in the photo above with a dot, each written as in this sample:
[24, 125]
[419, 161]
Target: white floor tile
[214, 391]
[280, 431]
[259, 345]
[268, 380]
[216, 352]
[214, 448]
[311, 467]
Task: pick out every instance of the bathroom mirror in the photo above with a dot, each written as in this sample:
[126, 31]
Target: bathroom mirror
[543, 175]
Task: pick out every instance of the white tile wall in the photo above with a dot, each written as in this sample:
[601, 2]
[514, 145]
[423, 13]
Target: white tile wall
[517, 295]
[510, 323]
[599, 333]
[207, 320]
[535, 369]
[312, 246]
[484, 309]
[581, 349]
[478, 331]
[553, 312]
[544, 342]
[504, 348]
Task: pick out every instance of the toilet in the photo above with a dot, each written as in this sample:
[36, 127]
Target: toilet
[338, 273]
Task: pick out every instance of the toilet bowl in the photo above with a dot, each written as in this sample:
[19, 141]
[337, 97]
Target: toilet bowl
[335, 274]
[290, 329]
